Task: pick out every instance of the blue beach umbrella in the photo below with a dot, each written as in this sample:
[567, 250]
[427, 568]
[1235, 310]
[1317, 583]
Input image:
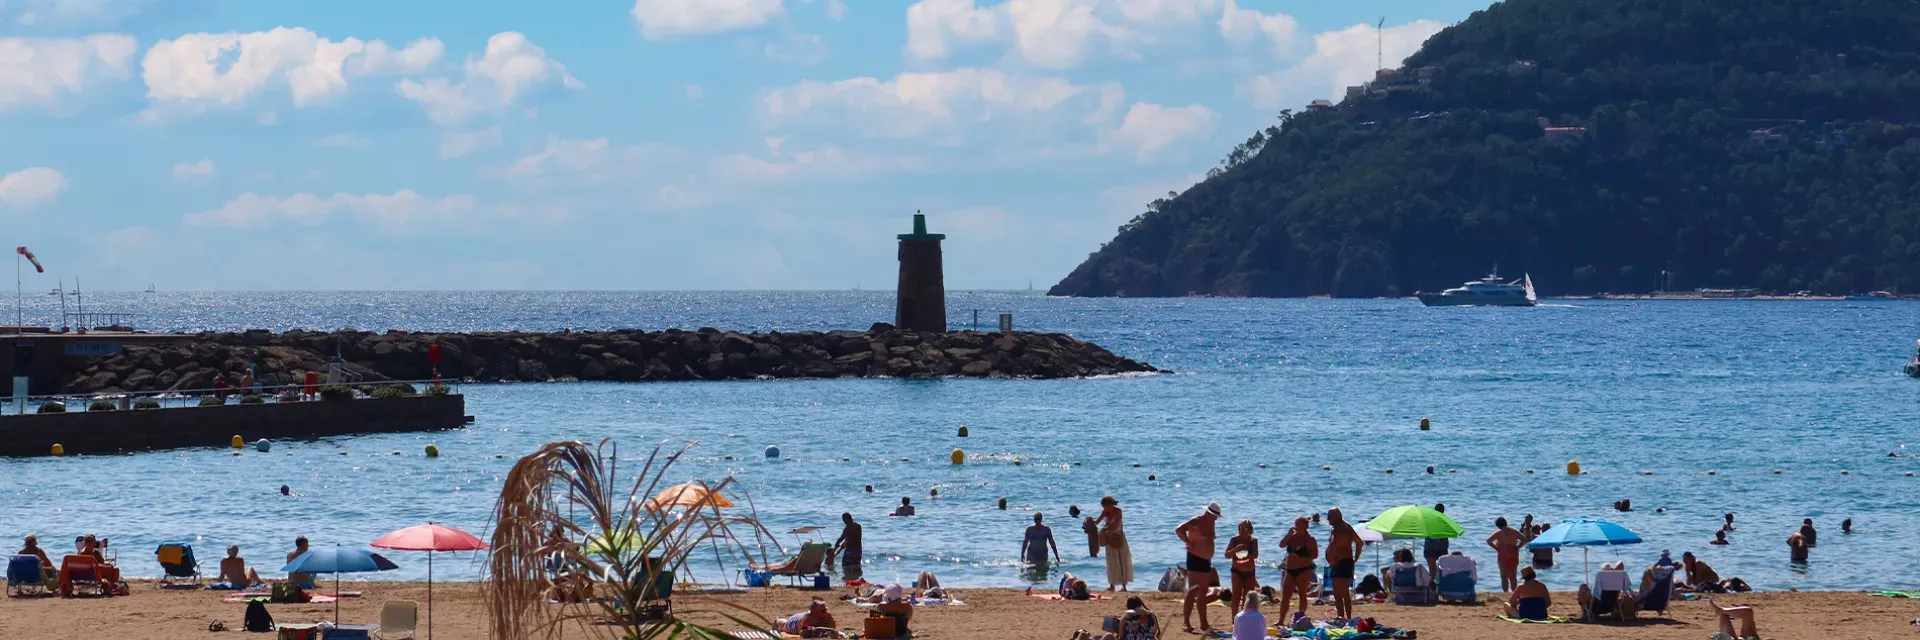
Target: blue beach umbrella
[1584, 533]
[336, 561]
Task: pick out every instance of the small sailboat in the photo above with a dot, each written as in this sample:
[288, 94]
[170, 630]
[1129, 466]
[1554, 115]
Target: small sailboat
[149, 286]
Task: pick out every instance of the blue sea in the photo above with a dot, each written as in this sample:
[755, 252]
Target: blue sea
[1774, 411]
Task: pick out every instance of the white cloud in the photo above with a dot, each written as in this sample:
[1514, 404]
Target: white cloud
[1055, 34]
[932, 23]
[661, 19]
[344, 141]
[31, 187]
[916, 104]
[397, 212]
[560, 154]
[1339, 59]
[825, 163]
[836, 10]
[1148, 127]
[202, 70]
[510, 67]
[694, 92]
[1247, 27]
[42, 70]
[460, 143]
[184, 171]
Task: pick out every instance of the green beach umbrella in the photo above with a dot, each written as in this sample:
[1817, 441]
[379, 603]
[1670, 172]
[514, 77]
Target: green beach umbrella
[621, 541]
[1415, 521]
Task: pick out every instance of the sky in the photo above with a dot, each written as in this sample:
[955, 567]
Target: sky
[633, 144]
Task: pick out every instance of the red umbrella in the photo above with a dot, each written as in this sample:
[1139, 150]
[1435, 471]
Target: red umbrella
[429, 537]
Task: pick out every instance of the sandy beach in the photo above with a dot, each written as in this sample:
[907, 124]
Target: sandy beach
[989, 613]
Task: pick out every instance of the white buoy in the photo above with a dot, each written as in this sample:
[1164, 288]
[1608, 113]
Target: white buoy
[773, 451]
[263, 445]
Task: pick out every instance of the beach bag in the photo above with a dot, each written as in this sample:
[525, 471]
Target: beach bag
[1173, 581]
[258, 620]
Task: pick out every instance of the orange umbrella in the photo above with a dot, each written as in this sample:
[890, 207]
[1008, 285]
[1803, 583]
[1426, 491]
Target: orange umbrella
[694, 495]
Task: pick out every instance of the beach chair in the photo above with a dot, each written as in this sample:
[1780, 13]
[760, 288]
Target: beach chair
[1406, 587]
[80, 575]
[177, 564]
[1605, 604]
[398, 619]
[812, 558]
[656, 596]
[25, 577]
[1458, 586]
[1658, 596]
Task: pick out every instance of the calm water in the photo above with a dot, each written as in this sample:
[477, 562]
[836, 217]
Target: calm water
[1811, 389]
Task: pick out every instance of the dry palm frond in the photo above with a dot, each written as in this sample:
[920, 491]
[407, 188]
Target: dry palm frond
[563, 510]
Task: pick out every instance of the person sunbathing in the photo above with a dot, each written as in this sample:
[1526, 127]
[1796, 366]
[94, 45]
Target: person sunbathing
[32, 548]
[817, 622]
[299, 547]
[234, 570]
[894, 604]
[1530, 600]
[104, 570]
[1076, 589]
[1727, 615]
[1701, 578]
[1136, 624]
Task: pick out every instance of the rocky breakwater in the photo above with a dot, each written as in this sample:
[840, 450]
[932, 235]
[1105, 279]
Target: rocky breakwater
[280, 359]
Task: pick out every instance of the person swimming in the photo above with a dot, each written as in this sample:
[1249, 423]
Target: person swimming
[1846, 526]
[1719, 537]
[905, 508]
[1729, 525]
[286, 491]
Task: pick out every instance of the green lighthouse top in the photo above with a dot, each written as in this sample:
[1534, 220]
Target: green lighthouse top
[920, 230]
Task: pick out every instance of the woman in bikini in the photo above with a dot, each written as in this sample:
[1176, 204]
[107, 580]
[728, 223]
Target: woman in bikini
[1301, 550]
[1243, 550]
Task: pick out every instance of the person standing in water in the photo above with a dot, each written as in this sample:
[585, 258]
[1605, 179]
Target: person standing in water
[1199, 535]
[1114, 538]
[848, 548]
[1033, 547]
[1301, 550]
[1242, 551]
[1806, 531]
[1506, 543]
[1343, 549]
[1797, 548]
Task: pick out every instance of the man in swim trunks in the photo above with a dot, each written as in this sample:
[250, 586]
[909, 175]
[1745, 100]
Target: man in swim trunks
[1506, 543]
[848, 548]
[1700, 576]
[1343, 549]
[1797, 548]
[1199, 535]
[1435, 547]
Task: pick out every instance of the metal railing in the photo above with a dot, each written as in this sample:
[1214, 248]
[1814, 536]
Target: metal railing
[76, 402]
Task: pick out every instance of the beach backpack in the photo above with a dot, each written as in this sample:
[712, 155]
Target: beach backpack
[258, 620]
[1173, 581]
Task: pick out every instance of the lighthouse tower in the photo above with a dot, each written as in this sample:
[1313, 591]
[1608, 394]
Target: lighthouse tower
[922, 297]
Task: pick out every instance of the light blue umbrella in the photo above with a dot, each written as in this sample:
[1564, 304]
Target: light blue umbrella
[1584, 533]
[336, 561]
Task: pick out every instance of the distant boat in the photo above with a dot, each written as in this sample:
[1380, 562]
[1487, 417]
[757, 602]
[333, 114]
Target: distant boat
[1485, 292]
[149, 287]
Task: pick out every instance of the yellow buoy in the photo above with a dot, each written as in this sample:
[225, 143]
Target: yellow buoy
[958, 457]
[433, 451]
[239, 442]
[963, 431]
[1573, 467]
[59, 450]
[1426, 425]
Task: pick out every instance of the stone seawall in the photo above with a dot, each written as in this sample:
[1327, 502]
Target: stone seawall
[103, 432]
[625, 355]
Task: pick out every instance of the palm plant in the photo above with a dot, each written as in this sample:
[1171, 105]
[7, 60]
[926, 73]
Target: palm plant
[570, 491]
